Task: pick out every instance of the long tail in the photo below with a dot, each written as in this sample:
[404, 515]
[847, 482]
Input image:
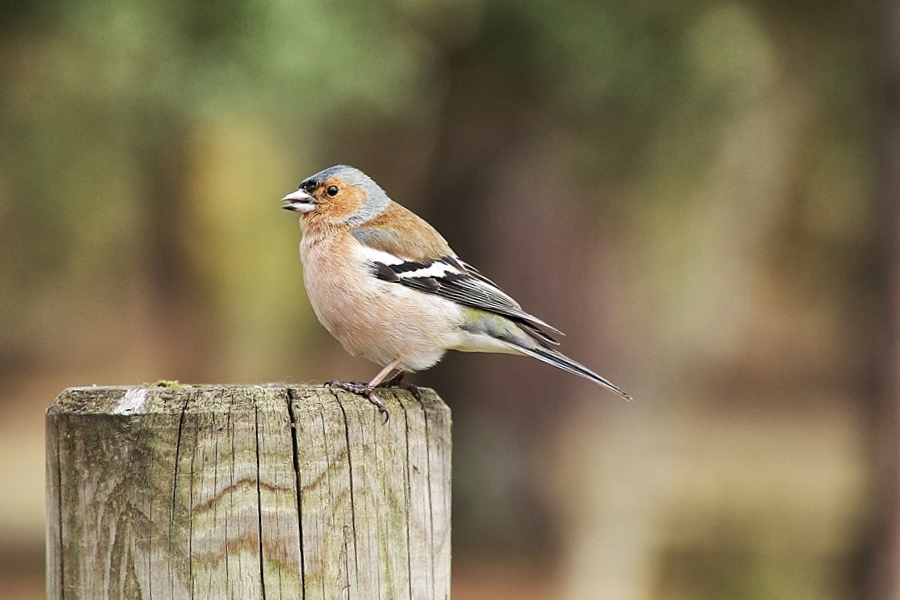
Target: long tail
[502, 334]
[561, 361]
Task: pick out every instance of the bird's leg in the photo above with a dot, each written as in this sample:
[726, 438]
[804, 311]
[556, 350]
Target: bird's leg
[376, 381]
[367, 389]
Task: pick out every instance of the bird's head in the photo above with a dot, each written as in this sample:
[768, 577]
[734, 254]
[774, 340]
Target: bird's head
[338, 195]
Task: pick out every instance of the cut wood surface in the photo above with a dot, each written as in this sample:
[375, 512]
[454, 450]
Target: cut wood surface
[247, 492]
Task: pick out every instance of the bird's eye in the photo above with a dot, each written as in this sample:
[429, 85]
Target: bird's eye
[332, 190]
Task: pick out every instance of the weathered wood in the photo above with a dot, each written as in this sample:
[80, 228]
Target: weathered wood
[192, 492]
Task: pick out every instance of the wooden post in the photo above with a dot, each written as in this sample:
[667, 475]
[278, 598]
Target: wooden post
[247, 492]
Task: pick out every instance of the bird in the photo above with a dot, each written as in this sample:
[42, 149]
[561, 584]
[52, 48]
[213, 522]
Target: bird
[388, 286]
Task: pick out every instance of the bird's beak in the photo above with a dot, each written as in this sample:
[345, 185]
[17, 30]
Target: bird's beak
[299, 201]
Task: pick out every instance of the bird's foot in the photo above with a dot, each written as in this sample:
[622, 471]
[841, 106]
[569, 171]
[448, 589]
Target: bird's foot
[397, 381]
[361, 389]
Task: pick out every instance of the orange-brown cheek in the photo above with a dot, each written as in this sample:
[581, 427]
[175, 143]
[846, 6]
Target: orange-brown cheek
[343, 206]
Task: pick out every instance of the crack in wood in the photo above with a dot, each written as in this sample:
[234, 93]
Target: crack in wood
[174, 505]
[259, 509]
[295, 460]
[352, 496]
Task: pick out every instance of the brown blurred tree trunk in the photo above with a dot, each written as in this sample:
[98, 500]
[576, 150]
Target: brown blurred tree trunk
[175, 298]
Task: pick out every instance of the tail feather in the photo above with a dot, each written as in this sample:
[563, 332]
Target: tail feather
[491, 332]
[561, 361]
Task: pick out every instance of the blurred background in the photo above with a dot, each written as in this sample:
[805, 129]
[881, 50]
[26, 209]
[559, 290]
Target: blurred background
[702, 194]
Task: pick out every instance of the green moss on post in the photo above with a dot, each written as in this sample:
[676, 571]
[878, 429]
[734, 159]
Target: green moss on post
[246, 492]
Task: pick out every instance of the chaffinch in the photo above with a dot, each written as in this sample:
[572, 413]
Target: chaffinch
[391, 290]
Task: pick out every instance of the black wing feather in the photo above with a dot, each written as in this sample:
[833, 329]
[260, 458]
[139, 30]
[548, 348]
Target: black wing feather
[464, 285]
